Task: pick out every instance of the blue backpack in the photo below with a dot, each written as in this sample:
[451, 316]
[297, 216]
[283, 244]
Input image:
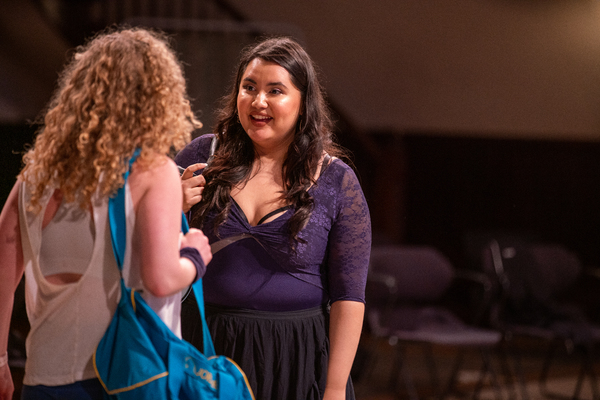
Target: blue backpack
[139, 357]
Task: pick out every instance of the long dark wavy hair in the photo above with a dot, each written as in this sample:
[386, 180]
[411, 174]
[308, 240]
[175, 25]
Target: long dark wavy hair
[235, 155]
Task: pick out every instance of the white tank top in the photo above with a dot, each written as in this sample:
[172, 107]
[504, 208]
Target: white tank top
[70, 225]
[67, 321]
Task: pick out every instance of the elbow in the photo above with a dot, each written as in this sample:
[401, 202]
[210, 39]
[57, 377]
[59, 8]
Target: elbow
[158, 289]
[166, 282]
[162, 285]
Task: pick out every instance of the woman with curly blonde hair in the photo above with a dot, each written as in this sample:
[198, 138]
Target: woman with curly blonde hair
[122, 91]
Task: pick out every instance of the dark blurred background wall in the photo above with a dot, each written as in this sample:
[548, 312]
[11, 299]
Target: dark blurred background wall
[462, 117]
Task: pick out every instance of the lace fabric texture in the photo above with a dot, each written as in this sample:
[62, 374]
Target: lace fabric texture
[263, 272]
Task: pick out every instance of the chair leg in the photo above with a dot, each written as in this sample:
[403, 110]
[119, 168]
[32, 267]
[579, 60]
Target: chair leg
[546, 368]
[453, 375]
[507, 373]
[580, 379]
[592, 373]
[396, 368]
[487, 360]
[518, 371]
[482, 374]
[487, 368]
[431, 367]
[372, 359]
[370, 362]
[400, 369]
[588, 367]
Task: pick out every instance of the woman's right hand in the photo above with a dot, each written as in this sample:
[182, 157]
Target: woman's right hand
[196, 238]
[192, 186]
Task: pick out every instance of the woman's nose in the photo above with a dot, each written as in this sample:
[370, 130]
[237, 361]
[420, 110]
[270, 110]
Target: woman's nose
[259, 100]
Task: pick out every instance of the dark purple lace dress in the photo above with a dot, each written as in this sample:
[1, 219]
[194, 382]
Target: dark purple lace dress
[261, 277]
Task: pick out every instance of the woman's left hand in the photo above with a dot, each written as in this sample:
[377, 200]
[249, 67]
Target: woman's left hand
[196, 238]
[192, 186]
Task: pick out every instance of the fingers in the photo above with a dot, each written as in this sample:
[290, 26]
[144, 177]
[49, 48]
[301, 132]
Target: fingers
[189, 171]
[192, 186]
[196, 238]
[191, 196]
[196, 180]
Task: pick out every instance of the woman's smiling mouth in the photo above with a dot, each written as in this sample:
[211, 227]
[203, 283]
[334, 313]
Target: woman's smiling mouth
[260, 119]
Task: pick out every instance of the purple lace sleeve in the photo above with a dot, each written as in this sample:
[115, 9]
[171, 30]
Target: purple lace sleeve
[349, 243]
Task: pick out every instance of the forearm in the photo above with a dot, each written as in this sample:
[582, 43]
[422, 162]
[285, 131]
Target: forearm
[5, 316]
[9, 280]
[346, 319]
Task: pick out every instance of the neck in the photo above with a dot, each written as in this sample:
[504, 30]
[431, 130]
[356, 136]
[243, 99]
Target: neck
[272, 158]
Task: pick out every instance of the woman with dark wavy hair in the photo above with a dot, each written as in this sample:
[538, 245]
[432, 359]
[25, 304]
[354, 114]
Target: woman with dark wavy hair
[289, 229]
[124, 90]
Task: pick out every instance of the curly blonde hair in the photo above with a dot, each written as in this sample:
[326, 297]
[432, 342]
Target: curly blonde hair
[124, 89]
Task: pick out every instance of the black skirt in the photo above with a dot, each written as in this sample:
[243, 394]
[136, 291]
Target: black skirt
[283, 354]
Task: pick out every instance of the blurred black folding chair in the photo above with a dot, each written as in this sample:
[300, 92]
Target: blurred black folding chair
[404, 293]
[531, 278]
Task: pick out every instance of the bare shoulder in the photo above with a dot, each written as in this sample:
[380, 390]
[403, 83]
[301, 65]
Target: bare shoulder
[161, 175]
[11, 205]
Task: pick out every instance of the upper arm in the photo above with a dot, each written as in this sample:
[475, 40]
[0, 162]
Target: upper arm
[349, 242]
[11, 252]
[157, 198]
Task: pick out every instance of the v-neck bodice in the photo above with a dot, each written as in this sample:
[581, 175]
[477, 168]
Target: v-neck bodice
[264, 218]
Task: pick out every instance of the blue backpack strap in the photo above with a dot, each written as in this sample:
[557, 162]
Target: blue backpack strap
[185, 228]
[116, 216]
[209, 348]
[118, 231]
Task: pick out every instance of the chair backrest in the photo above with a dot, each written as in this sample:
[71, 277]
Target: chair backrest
[531, 275]
[557, 266]
[542, 269]
[421, 273]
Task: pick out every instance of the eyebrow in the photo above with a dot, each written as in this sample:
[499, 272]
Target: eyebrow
[268, 84]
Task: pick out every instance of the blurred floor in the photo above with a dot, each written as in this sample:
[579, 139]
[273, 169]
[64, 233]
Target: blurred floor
[380, 384]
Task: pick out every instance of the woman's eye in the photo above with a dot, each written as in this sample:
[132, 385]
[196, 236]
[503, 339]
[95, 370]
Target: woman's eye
[276, 91]
[248, 88]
